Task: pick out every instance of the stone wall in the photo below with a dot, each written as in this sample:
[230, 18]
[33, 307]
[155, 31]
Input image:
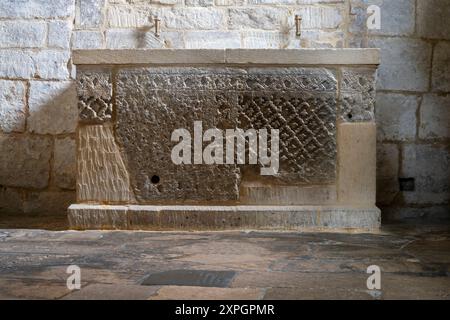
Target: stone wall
[37, 98]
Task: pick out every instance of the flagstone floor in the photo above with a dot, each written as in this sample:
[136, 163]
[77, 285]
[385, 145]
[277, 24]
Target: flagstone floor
[414, 263]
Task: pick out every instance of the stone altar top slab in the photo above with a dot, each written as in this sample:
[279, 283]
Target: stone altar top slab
[361, 56]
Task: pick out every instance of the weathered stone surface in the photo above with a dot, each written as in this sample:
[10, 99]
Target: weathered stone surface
[130, 17]
[441, 67]
[212, 39]
[427, 215]
[432, 19]
[25, 161]
[286, 195]
[36, 8]
[102, 176]
[64, 166]
[59, 33]
[194, 18]
[87, 40]
[25, 34]
[94, 90]
[296, 101]
[83, 216]
[318, 39]
[430, 166]
[435, 117]
[52, 107]
[357, 94]
[164, 100]
[44, 64]
[90, 13]
[387, 173]
[12, 106]
[208, 217]
[265, 18]
[99, 291]
[357, 163]
[397, 17]
[318, 17]
[405, 64]
[202, 293]
[199, 3]
[300, 103]
[48, 202]
[131, 38]
[396, 116]
[10, 200]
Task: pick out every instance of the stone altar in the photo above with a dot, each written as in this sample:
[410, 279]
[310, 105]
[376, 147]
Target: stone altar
[321, 101]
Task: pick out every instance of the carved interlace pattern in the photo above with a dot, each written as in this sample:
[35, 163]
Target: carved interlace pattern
[357, 98]
[94, 91]
[300, 102]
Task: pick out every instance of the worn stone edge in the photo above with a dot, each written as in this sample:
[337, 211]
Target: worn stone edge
[319, 56]
[91, 216]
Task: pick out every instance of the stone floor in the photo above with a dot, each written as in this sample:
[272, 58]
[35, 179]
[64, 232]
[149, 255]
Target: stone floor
[415, 264]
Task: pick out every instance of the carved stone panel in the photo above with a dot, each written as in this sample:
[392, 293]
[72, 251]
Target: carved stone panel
[94, 89]
[357, 97]
[152, 102]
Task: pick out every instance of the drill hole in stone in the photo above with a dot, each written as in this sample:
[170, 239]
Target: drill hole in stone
[155, 179]
[350, 116]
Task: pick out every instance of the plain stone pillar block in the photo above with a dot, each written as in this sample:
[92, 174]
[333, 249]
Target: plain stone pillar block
[357, 163]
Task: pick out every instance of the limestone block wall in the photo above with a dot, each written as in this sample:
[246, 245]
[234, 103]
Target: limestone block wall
[38, 101]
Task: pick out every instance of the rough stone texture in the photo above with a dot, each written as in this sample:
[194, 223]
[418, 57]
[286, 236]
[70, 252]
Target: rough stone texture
[11, 200]
[252, 100]
[357, 163]
[268, 265]
[102, 176]
[52, 107]
[286, 195]
[59, 34]
[130, 17]
[97, 217]
[48, 202]
[90, 13]
[94, 90]
[25, 161]
[87, 40]
[396, 116]
[209, 217]
[12, 106]
[397, 17]
[265, 18]
[441, 67]
[320, 17]
[130, 38]
[405, 64]
[435, 117]
[430, 166]
[64, 167]
[212, 40]
[164, 101]
[192, 18]
[25, 34]
[387, 173]
[357, 94]
[432, 19]
[36, 8]
[44, 64]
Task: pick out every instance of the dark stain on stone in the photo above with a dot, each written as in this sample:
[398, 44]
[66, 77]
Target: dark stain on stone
[199, 278]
